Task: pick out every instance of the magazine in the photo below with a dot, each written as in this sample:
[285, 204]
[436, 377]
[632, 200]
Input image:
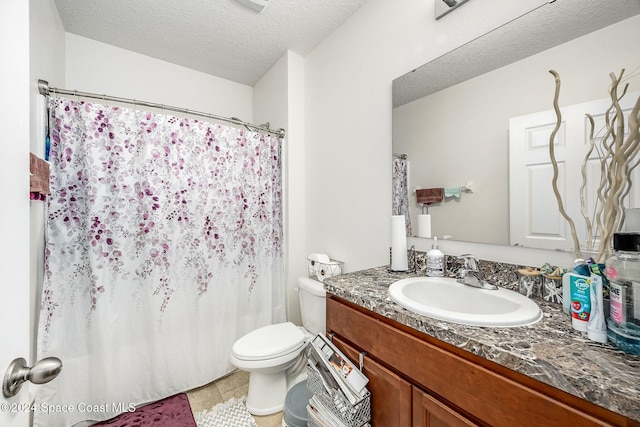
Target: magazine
[342, 366]
[323, 415]
[336, 371]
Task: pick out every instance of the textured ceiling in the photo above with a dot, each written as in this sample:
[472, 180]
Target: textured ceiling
[218, 37]
[548, 26]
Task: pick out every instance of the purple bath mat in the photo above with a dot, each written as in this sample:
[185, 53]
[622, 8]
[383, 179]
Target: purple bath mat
[170, 412]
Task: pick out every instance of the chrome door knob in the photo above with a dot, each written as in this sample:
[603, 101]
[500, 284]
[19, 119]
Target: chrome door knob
[18, 372]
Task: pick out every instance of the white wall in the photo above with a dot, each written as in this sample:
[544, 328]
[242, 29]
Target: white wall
[461, 133]
[101, 68]
[47, 55]
[349, 112]
[270, 96]
[279, 99]
[295, 176]
[270, 105]
[14, 174]
[35, 49]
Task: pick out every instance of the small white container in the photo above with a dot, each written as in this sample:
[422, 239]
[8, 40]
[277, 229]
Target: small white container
[529, 282]
[435, 261]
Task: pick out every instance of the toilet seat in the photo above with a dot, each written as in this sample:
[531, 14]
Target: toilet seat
[269, 342]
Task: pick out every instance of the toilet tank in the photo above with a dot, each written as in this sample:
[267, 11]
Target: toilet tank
[313, 307]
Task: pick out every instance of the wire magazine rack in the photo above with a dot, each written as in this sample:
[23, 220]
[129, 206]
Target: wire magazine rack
[351, 415]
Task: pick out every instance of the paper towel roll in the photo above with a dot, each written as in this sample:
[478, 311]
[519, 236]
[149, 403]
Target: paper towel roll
[399, 261]
[424, 225]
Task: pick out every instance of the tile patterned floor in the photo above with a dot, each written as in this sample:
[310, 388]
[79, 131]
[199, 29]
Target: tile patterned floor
[235, 385]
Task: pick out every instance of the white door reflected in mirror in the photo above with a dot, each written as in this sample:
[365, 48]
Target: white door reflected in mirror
[535, 220]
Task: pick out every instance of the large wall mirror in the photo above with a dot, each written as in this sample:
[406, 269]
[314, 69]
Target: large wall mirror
[451, 116]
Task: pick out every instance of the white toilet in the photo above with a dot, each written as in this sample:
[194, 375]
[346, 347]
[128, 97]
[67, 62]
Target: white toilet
[273, 355]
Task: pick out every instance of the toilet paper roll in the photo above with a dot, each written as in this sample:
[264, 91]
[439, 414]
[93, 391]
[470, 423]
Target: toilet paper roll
[323, 258]
[329, 269]
[424, 225]
[399, 261]
[315, 259]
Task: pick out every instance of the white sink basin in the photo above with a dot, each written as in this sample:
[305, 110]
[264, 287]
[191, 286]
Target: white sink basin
[444, 298]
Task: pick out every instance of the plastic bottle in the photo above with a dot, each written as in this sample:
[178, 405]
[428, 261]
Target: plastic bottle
[435, 260]
[580, 288]
[623, 273]
[597, 326]
[579, 267]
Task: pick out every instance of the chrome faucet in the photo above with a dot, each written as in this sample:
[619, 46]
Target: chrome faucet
[470, 275]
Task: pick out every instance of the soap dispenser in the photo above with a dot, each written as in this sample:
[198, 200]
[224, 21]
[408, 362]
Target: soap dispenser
[435, 260]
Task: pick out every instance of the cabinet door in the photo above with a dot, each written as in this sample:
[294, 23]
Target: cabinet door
[429, 412]
[390, 394]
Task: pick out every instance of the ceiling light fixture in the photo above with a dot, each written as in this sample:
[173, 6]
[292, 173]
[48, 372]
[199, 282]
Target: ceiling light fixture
[445, 6]
[257, 5]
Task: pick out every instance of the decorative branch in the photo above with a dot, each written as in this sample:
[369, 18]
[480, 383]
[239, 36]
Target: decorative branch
[583, 207]
[619, 169]
[554, 181]
[618, 158]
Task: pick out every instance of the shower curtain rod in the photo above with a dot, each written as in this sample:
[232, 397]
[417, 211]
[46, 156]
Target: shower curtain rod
[44, 89]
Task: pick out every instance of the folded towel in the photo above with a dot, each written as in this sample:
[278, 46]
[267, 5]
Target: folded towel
[429, 195]
[39, 180]
[453, 192]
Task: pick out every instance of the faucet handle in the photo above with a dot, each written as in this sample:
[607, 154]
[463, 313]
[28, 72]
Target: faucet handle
[470, 261]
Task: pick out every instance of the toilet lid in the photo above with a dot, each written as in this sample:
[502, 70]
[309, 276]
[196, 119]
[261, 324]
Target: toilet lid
[269, 342]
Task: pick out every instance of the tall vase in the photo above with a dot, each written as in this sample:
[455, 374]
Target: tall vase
[594, 251]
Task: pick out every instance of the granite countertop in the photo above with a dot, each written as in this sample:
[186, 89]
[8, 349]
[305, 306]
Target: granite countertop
[550, 351]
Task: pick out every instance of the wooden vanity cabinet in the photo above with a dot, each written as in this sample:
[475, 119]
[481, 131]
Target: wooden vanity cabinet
[417, 380]
[390, 394]
[396, 402]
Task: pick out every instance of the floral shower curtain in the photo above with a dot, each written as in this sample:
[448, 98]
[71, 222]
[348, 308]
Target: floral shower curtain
[400, 196]
[164, 245]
